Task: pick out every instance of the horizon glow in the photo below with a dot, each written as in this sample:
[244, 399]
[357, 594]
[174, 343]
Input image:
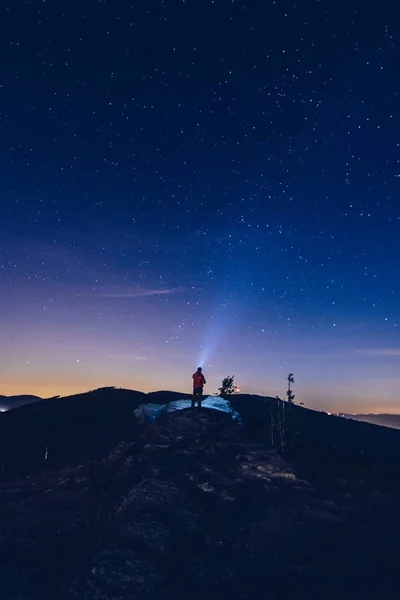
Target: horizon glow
[65, 348]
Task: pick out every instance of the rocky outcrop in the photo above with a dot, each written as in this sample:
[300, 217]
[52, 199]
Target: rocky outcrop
[191, 509]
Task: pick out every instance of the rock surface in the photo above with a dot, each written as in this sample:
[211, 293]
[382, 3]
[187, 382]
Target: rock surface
[192, 510]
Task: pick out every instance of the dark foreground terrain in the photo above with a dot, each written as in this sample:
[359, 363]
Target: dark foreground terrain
[191, 509]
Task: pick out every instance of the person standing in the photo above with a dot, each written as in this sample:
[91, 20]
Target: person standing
[198, 384]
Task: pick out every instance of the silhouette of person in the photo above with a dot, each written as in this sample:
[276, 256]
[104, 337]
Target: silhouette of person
[198, 384]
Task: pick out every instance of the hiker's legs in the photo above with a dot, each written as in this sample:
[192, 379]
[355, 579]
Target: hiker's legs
[200, 398]
[197, 392]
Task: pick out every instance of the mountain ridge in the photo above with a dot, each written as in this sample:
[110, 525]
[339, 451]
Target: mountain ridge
[382, 419]
[13, 402]
[77, 427]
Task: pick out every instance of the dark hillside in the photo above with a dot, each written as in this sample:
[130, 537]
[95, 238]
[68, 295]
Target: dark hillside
[81, 425]
[330, 449]
[193, 510]
[335, 448]
[255, 413]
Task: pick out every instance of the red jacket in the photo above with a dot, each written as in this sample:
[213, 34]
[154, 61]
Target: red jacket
[198, 380]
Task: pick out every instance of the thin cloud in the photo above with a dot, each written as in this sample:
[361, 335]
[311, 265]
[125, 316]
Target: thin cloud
[380, 352]
[341, 353]
[128, 357]
[140, 293]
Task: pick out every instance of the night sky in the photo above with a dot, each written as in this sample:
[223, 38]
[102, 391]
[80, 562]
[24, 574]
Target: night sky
[201, 182]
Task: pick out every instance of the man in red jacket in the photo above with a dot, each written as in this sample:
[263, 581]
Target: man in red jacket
[198, 383]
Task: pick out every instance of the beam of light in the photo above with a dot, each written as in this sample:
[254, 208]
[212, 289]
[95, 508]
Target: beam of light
[216, 333]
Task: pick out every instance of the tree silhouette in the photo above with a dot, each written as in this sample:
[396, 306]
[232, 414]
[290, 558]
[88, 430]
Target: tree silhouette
[289, 393]
[227, 388]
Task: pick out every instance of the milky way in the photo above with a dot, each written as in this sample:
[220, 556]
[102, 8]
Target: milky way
[209, 181]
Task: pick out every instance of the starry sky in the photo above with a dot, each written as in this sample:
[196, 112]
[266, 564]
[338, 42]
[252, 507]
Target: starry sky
[201, 182]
